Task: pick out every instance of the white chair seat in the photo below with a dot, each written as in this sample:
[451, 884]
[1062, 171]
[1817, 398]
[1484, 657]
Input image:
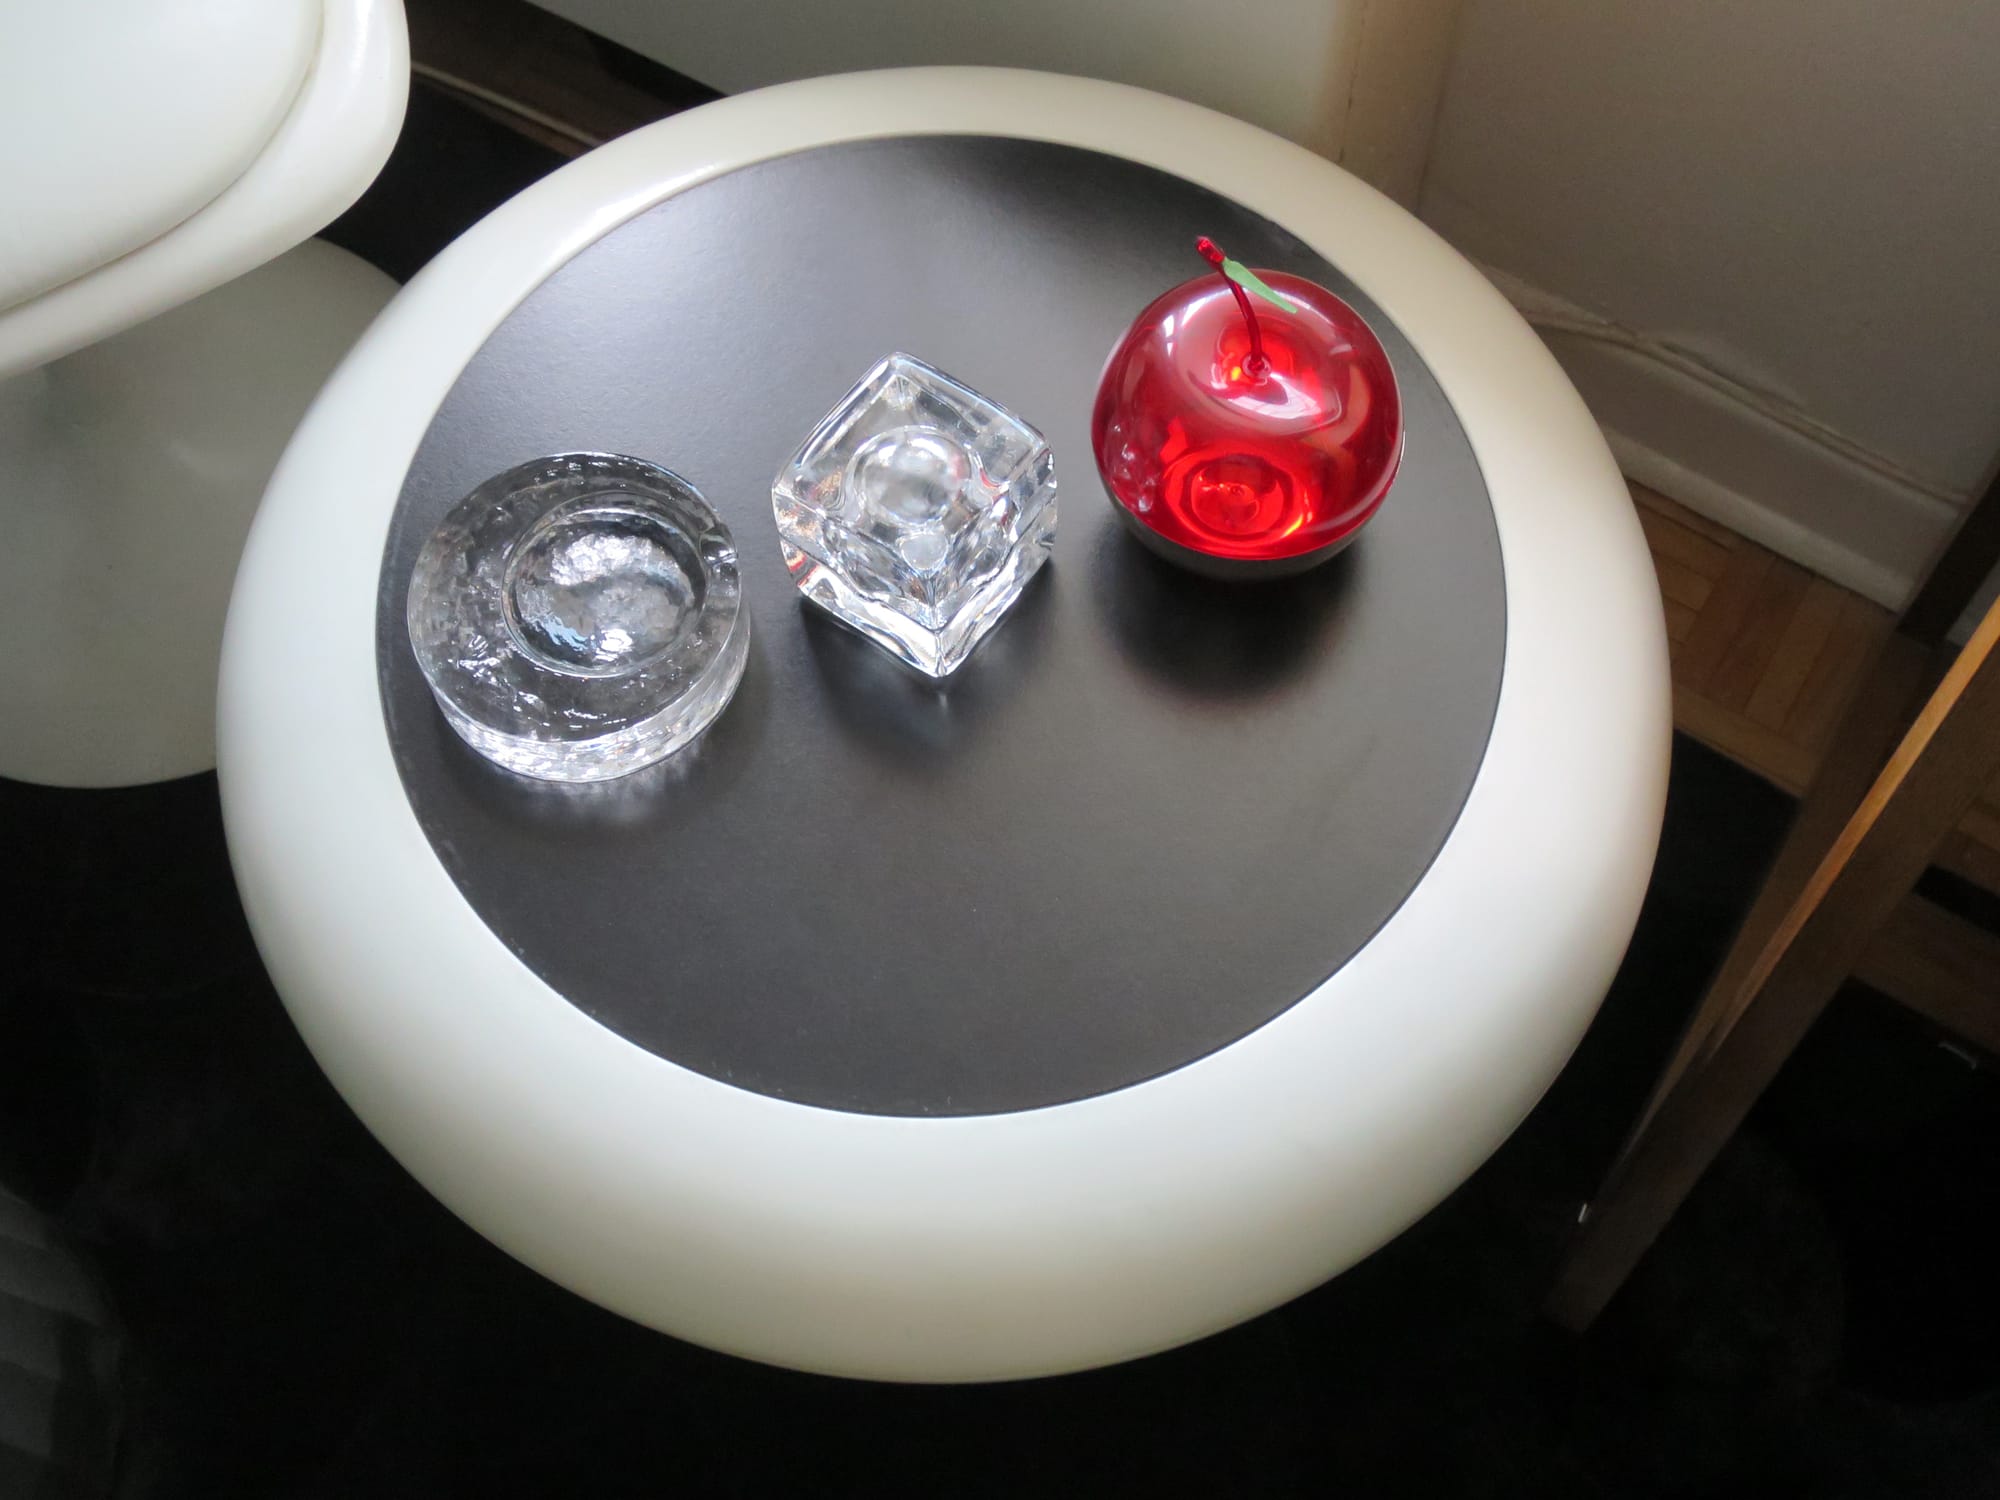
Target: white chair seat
[160, 152]
[132, 116]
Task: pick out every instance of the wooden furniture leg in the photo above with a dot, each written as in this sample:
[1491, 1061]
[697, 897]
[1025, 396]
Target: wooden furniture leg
[1746, 1028]
[1880, 710]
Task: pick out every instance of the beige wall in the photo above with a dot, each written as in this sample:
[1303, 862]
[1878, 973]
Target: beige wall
[1800, 198]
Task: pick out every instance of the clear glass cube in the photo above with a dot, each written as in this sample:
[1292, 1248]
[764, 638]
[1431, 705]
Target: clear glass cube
[917, 512]
[579, 617]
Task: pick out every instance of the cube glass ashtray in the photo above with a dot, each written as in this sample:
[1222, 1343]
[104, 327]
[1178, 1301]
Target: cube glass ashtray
[916, 512]
[579, 617]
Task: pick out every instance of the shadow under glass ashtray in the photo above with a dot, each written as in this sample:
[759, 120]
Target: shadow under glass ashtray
[580, 617]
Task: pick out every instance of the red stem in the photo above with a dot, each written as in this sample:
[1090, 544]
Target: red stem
[1256, 364]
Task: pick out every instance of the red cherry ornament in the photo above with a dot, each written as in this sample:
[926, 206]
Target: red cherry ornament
[1242, 440]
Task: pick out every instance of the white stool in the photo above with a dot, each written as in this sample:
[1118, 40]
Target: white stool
[152, 364]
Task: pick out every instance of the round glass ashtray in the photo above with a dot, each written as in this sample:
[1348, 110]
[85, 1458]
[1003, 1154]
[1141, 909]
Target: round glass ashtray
[580, 617]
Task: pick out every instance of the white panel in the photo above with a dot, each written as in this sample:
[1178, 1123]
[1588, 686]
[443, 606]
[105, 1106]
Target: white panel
[1282, 64]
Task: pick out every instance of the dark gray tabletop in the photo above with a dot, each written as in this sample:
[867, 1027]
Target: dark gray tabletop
[1150, 814]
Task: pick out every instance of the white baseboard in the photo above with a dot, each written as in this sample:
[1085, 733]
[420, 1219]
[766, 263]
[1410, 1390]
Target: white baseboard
[1706, 442]
[1810, 549]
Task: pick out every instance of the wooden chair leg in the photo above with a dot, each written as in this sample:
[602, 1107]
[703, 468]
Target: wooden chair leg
[1748, 1027]
[1884, 703]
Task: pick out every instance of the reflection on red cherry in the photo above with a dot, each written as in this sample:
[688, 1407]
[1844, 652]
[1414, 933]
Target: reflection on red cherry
[1243, 462]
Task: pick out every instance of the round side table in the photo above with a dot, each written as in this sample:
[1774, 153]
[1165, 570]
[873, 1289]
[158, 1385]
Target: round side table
[1188, 945]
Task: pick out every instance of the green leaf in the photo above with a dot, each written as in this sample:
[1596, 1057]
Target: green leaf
[1250, 281]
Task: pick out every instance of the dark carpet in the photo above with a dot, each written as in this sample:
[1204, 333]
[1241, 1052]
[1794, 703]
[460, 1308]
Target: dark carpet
[298, 1319]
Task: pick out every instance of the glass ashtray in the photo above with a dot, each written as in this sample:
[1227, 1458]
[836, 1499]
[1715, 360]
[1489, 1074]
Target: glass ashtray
[580, 617]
